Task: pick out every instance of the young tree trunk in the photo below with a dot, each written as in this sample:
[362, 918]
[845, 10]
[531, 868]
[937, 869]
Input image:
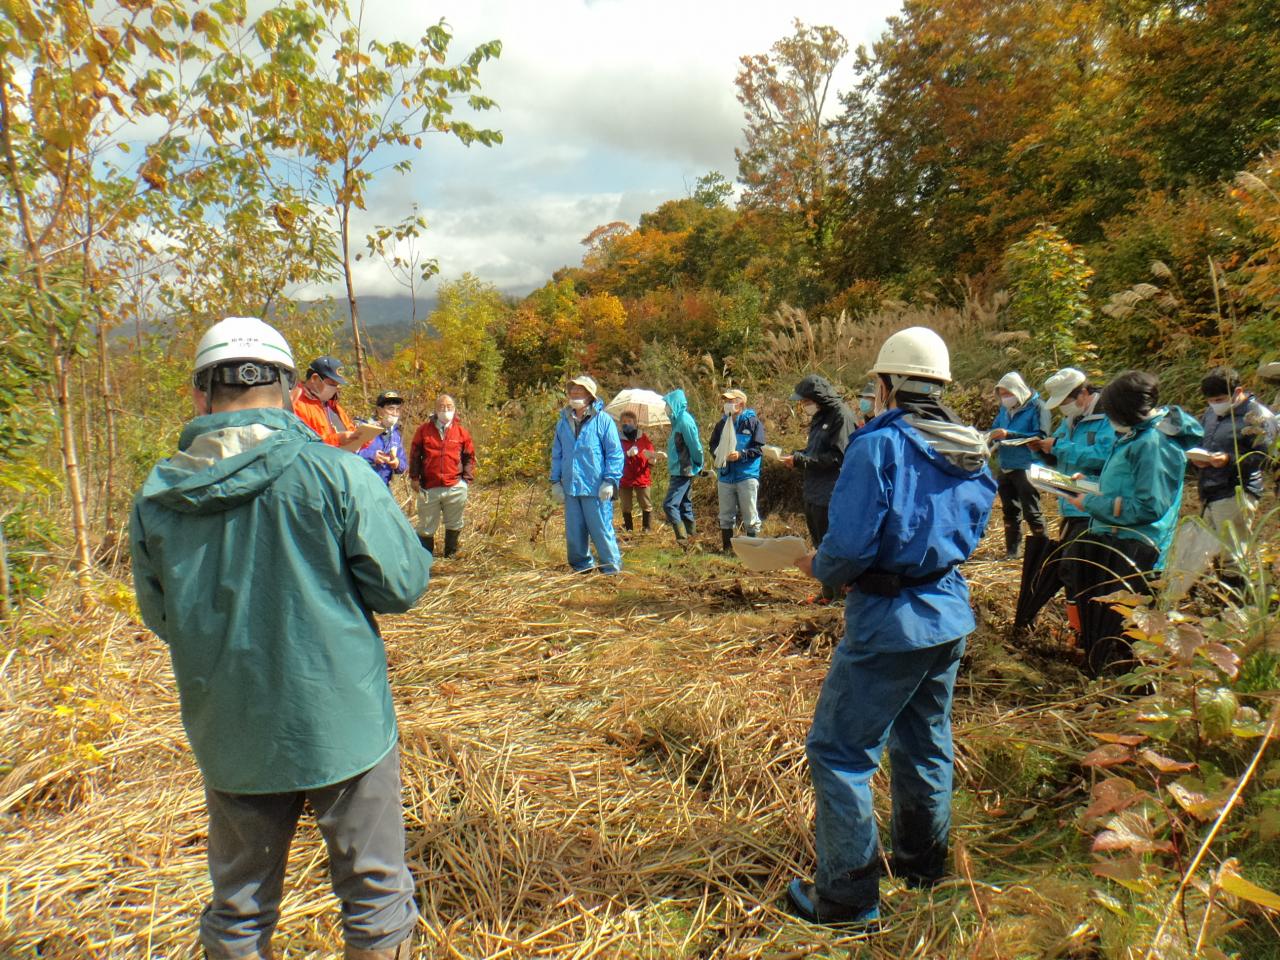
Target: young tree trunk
[4, 576]
[108, 421]
[344, 223]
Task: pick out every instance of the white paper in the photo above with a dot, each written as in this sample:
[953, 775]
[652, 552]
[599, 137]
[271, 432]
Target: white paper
[769, 553]
[771, 452]
[1051, 481]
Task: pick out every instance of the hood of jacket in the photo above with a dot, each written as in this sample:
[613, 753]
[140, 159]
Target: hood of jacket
[226, 459]
[820, 390]
[1014, 383]
[1175, 423]
[677, 402]
[956, 448]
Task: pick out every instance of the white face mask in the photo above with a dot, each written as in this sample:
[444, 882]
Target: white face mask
[444, 416]
[1220, 409]
[809, 407]
[577, 403]
[730, 409]
[325, 392]
[1008, 402]
[389, 420]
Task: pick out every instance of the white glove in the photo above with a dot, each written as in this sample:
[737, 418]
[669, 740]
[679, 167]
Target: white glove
[606, 492]
[557, 491]
[633, 452]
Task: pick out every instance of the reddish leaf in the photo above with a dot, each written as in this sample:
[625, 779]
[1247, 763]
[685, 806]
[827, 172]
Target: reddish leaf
[1191, 796]
[1183, 642]
[1128, 739]
[1129, 831]
[1107, 755]
[1111, 796]
[1127, 872]
[1222, 657]
[1165, 764]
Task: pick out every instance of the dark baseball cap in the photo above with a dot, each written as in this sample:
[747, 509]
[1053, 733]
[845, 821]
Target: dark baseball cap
[328, 367]
[388, 397]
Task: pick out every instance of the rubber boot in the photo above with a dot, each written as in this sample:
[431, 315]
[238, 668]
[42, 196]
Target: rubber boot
[682, 536]
[268, 954]
[647, 523]
[629, 522]
[451, 538]
[428, 543]
[726, 541]
[688, 525]
[402, 951]
[1012, 543]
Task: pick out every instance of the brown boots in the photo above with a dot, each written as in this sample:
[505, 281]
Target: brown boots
[402, 951]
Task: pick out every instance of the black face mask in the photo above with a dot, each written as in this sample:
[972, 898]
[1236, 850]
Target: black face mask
[630, 432]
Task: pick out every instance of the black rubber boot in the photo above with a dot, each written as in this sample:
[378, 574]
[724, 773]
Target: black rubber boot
[451, 538]
[726, 541]
[647, 523]
[428, 544]
[1012, 543]
[628, 522]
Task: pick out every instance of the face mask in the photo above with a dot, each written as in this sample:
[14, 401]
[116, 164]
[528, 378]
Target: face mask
[1220, 409]
[389, 420]
[866, 405]
[326, 392]
[729, 409]
[445, 416]
[1008, 402]
[577, 403]
[629, 431]
[1120, 428]
[809, 407]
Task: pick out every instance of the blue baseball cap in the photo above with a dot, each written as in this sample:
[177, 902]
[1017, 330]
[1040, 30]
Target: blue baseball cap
[328, 367]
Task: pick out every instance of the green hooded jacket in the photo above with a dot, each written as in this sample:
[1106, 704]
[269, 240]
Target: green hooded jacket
[260, 555]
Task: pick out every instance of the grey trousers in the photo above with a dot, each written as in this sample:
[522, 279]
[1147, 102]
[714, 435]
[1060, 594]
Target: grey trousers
[362, 822]
[738, 504]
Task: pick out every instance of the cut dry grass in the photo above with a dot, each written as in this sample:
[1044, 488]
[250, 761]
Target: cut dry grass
[593, 767]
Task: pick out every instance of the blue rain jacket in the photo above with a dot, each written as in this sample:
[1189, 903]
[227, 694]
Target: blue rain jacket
[1082, 445]
[1029, 420]
[260, 555]
[749, 443]
[1242, 436]
[389, 441]
[1144, 474]
[586, 455]
[901, 507]
[684, 446]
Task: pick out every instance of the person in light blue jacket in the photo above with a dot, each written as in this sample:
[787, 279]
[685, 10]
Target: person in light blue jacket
[911, 503]
[586, 468]
[1022, 416]
[684, 462]
[1133, 516]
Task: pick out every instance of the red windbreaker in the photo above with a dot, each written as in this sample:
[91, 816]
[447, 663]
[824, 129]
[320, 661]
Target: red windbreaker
[316, 415]
[437, 460]
[636, 469]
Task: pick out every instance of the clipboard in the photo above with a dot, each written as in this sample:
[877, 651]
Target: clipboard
[364, 433]
[1052, 481]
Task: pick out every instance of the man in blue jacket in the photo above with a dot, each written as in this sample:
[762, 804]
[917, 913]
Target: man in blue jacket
[739, 474]
[260, 556]
[385, 452]
[684, 462]
[910, 506]
[586, 468]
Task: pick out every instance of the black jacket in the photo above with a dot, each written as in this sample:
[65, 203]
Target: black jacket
[829, 432]
[1242, 436]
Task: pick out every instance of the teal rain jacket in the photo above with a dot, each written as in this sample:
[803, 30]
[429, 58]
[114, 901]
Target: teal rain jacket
[1143, 477]
[902, 506]
[583, 456]
[1029, 420]
[684, 446]
[1082, 445]
[259, 556]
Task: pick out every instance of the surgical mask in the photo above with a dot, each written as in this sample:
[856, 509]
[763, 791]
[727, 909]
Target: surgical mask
[577, 403]
[1120, 428]
[326, 392]
[445, 416]
[729, 409]
[1220, 409]
[866, 405]
[389, 420]
[629, 431]
[1008, 402]
[809, 407]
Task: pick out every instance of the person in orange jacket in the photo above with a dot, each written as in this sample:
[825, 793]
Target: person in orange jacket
[315, 402]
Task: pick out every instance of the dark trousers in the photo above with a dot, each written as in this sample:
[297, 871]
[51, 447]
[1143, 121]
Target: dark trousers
[1104, 565]
[816, 519]
[1019, 500]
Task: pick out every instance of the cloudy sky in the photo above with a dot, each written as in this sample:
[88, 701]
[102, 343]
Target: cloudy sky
[607, 107]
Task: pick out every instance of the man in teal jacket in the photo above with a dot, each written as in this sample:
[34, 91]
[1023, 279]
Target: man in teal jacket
[260, 556]
[684, 462]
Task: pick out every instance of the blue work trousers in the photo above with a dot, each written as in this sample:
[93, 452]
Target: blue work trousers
[678, 503]
[589, 517]
[870, 699]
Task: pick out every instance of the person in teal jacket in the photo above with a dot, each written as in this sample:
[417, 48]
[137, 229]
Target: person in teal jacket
[1133, 516]
[586, 469]
[260, 556]
[684, 462]
[1021, 416]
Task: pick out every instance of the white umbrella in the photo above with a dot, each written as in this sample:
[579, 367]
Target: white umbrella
[649, 407]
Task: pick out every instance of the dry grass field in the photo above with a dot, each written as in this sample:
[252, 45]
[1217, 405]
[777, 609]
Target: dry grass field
[593, 766]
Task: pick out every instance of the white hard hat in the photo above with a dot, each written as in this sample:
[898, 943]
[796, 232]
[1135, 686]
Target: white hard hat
[915, 352]
[1060, 385]
[587, 384]
[243, 338]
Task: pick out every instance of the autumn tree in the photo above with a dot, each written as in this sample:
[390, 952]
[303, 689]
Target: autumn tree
[464, 356]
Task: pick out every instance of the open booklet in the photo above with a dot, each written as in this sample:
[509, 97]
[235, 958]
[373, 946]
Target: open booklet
[769, 553]
[1051, 481]
[364, 433]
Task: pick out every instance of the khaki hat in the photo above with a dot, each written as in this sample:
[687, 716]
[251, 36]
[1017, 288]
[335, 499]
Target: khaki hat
[587, 384]
[733, 393]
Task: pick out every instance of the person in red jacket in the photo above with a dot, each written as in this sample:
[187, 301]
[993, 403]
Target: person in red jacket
[442, 462]
[315, 403]
[638, 452]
